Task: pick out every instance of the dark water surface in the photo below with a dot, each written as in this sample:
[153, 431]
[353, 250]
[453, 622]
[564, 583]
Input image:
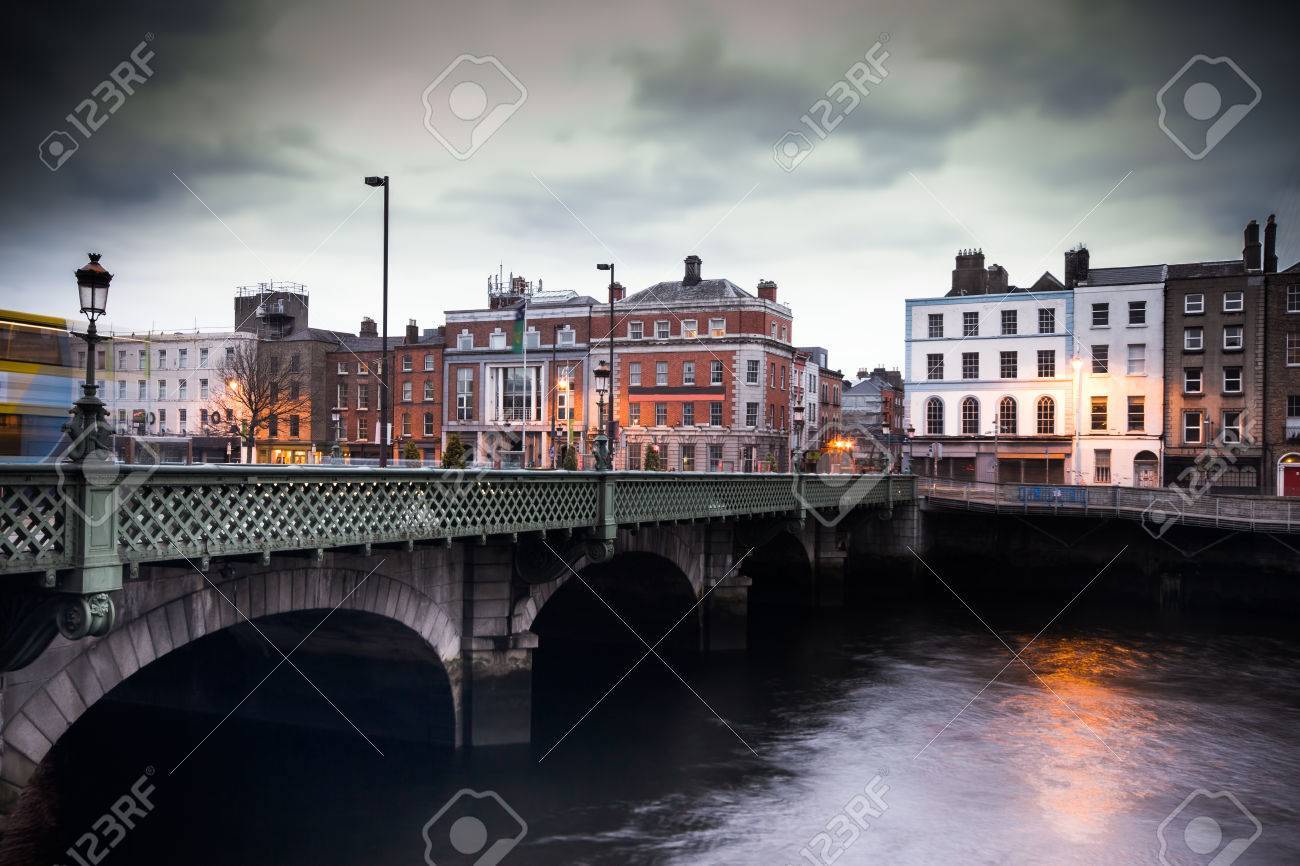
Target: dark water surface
[1078, 762]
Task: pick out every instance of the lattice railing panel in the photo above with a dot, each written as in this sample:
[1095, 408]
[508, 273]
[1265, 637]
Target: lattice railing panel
[32, 521]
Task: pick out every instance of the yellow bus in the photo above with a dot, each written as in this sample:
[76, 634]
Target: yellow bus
[39, 382]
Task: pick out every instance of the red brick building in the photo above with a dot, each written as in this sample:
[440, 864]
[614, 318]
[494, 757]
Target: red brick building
[417, 363]
[352, 381]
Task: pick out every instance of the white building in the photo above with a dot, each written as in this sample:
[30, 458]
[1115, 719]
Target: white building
[989, 379]
[1120, 343]
[165, 385]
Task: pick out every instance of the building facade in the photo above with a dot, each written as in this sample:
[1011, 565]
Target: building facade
[988, 378]
[873, 414]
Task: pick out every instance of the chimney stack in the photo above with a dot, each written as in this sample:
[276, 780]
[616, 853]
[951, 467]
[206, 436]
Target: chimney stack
[692, 277]
[618, 290]
[767, 290]
[997, 282]
[412, 331]
[368, 327]
[1076, 266]
[1250, 251]
[1270, 245]
[969, 277]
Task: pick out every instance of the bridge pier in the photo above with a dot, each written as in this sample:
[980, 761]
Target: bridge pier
[726, 608]
[829, 560]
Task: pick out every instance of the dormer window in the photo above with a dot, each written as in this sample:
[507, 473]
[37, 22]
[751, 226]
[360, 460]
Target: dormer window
[464, 340]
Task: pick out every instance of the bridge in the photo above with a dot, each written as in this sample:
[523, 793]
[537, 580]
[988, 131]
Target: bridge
[105, 569]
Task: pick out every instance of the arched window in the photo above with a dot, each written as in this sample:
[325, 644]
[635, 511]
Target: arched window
[1046, 416]
[934, 417]
[970, 417]
[1007, 416]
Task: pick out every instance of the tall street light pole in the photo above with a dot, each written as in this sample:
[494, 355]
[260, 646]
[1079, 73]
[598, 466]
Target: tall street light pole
[88, 429]
[609, 266]
[383, 369]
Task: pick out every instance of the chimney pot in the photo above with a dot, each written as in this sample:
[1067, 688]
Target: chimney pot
[412, 331]
[1270, 245]
[368, 328]
[1250, 251]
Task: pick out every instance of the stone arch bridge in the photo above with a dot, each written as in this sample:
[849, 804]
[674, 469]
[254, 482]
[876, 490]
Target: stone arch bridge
[100, 576]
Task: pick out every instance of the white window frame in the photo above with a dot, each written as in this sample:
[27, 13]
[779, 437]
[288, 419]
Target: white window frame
[663, 329]
[636, 330]
[1234, 302]
[568, 336]
[634, 373]
[1193, 339]
[497, 340]
[1240, 380]
[688, 372]
[1137, 362]
[464, 340]
[1234, 343]
[718, 327]
[690, 329]
[1193, 304]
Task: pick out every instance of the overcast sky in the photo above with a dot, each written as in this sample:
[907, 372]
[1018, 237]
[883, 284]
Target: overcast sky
[646, 134]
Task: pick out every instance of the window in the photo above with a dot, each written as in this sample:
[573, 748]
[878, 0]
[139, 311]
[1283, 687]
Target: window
[1137, 312]
[182, 359]
[1233, 302]
[464, 340]
[1008, 364]
[293, 390]
[715, 459]
[661, 330]
[970, 417]
[532, 339]
[633, 413]
[1137, 414]
[688, 373]
[203, 416]
[1232, 425]
[408, 364]
[342, 368]
[715, 414]
[1191, 380]
[771, 375]
[970, 324]
[568, 337]
[1100, 359]
[1193, 305]
[341, 395]
[690, 329]
[1101, 466]
[688, 458]
[636, 330]
[1137, 359]
[142, 359]
[183, 389]
[934, 366]
[121, 359]
[203, 389]
[142, 389]
[688, 414]
[1047, 363]
[936, 326]
[295, 362]
[362, 433]
[121, 390]
[203, 357]
[751, 414]
[1232, 337]
[181, 417]
[1292, 349]
[634, 373]
[497, 340]
[1007, 416]
[162, 359]
[751, 372]
[661, 414]
[363, 396]
[293, 426]
[661, 372]
[715, 373]
[428, 390]
[162, 420]
[783, 334]
[162, 389]
[1101, 315]
[934, 417]
[1232, 380]
[428, 362]
[1099, 413]
[1046, 416]
[1193, 339]
[970, 365]
[1192, 428]
[406, 391]
[774, 330]
[1293, 299]
[1046, 320]
[464, 394]
[1008, 322]
[406, 424]
[717, 328]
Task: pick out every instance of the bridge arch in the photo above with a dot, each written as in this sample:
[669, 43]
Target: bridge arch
[90, 669]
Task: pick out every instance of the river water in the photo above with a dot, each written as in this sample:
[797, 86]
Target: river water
[883, 718]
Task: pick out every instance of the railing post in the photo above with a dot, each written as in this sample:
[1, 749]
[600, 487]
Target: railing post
[90, 509]
[607, 520]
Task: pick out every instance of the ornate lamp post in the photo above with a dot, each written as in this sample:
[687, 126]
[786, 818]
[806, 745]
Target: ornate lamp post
[88, 428]
[609, 428]
[796, 453]
[601, 443]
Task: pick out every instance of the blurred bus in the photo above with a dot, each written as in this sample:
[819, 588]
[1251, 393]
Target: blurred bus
[39, 382]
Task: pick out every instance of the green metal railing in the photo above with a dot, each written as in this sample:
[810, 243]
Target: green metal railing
[51, 518]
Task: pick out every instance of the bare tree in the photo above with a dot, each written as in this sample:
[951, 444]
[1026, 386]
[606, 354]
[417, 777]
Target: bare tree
[256, 392]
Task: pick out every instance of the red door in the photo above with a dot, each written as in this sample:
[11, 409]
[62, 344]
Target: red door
[1291, 480]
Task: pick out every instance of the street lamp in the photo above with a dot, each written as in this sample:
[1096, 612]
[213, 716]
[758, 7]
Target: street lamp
[603, 461]
[797, 451]
[375, 181]
[88, 428]
[609, 266]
